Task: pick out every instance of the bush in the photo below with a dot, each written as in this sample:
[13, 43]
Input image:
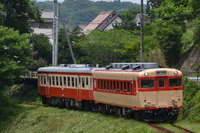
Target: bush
[191, 105]
[25, 93]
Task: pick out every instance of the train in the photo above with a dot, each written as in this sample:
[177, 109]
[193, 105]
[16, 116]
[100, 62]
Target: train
[143, 91]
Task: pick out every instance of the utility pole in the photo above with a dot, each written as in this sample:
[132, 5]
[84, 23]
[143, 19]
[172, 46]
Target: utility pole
[55, 34]
[141, 33]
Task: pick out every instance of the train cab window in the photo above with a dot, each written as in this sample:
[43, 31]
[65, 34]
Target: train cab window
[174, 82]
[147, 83]
[161, 82]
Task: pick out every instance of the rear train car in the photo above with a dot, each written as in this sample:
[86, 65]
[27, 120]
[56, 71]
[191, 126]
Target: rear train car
[142, 90]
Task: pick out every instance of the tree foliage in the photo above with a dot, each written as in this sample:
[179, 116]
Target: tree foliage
[109, 46]
[17, 13]
[42, 48]
[15, 55]
[64, 54]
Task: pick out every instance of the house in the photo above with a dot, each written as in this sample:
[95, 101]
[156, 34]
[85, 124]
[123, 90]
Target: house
[104, 21]
[45, 28]
[138, 19]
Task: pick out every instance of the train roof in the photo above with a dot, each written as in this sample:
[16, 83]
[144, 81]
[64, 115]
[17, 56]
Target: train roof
[87, 68]
[70, 69]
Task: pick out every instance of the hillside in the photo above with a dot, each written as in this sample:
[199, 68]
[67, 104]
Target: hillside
[81, 12]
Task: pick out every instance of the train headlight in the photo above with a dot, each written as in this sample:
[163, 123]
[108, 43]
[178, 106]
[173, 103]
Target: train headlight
[146, 74]
[175, 72]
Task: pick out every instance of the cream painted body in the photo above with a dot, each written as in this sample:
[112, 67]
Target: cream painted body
[160, 99]
[142, 99]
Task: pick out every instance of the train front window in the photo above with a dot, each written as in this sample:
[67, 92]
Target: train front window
[147, 83]
[161, 82]
[174, 82]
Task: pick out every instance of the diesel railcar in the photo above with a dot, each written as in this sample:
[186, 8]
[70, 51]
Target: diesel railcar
[142, 90]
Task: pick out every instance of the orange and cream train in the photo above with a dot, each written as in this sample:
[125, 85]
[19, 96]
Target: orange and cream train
[142, 90]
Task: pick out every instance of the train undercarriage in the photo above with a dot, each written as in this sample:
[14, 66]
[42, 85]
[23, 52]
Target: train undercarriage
[160, 115]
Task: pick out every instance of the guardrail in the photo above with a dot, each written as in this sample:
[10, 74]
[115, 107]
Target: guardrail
[30, 74]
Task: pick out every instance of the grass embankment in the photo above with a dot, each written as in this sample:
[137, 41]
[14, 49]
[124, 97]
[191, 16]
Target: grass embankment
[40, 119]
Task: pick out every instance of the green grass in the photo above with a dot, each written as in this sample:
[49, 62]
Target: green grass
[40, 119]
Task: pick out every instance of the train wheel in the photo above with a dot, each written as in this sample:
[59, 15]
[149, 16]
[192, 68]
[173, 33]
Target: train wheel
[67, 105]
[137, 116]
[44, 100]
[86, 105]
[103, 109]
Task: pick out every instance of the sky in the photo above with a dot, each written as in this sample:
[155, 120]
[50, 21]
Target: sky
[133, 1]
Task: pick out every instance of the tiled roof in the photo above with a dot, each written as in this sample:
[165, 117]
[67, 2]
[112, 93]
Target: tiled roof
[97, 21]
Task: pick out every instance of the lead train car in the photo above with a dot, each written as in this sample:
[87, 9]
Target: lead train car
[142, 90]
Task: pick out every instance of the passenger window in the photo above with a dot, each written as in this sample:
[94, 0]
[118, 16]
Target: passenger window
[44, 80]
[161, 82]
[64, 81]
[86, 81]
[83, 82]
[105, 83]
[72, 81]
[53, 80]
[129, 87]
[56, 80]
[61, 81]
[110, 86]
[75, 82]
[99, 84]
[49, 80]
[147, 83]
[125, 86]
[68, 81]
[120, 86]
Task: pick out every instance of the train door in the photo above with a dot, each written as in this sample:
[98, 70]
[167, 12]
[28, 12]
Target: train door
[161, 91]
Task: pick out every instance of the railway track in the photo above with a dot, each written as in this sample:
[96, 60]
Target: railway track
[166, 130]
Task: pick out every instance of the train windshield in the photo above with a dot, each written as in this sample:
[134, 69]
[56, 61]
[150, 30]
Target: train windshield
[174, 82]
[147, 83]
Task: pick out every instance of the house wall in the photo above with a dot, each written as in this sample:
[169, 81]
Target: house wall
[110, 26]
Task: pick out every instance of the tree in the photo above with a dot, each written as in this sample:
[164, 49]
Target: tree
[64, 54]
[128, 19]
[109, 46]
[15, 55]
[18, 12]
[42, 48]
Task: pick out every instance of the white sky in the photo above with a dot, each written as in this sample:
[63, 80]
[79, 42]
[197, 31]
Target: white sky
[133, 1]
